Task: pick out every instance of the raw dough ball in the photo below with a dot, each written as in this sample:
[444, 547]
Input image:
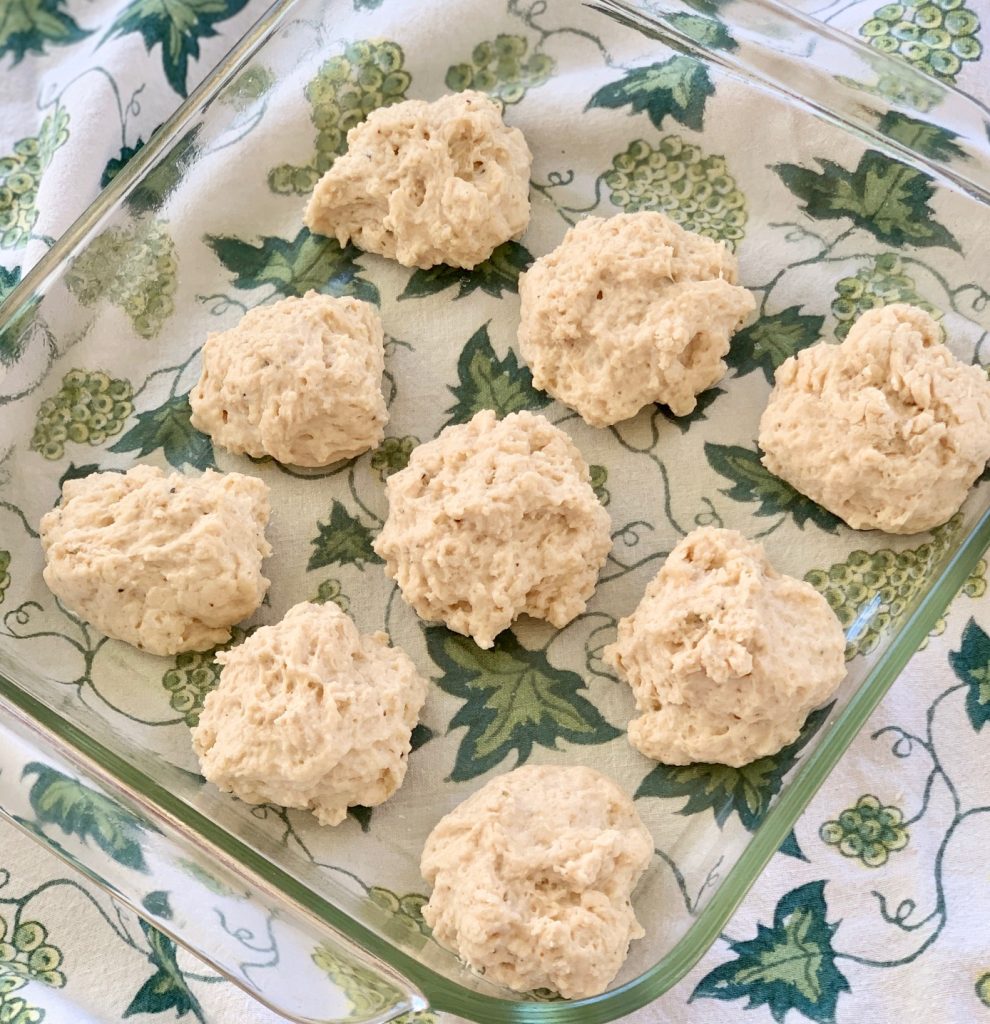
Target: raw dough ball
[299, 380]
[629, 311]
[532, 877]
[887, 430]
[166, 563]
[427, 183]
[725, 656]
[309, 713]
[494, 519]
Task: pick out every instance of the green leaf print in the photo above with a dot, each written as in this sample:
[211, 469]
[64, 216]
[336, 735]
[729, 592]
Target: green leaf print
[790, 847]
[392, 455]
[158, 183]
[680, 180]
[930, 139]
[498, 274]
[28, 26]
[746, 792]
[20, 176]
[790, 966]
[157, 903]
[77, 810]
[368, 993]
[135, 268]
[882, 196]
[487, 382]
[503, 68]
[294, 267]
[168, 427]
[699, 412]
[710, 31]
[514, 697]
[175, 25]
[765, 344]
[342, 540]
[881, 281]
[752, 481]
[116, 164]
[935, 37]
[971, 663]
[89, 407]
[677, 88]
[166, 989]
[367, 75]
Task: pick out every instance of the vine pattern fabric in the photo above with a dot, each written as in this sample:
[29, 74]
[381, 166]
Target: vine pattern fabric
[877, 904]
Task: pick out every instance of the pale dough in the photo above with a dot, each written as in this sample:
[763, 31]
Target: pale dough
[299, 380]
[427, 183]
[532, 878]
[628, 311]
[494, 519]
[166, 563]
[309, 713]
[887, 430]
[725, 656]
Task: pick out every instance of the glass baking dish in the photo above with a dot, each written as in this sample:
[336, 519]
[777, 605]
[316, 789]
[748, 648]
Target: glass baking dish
[844, 179]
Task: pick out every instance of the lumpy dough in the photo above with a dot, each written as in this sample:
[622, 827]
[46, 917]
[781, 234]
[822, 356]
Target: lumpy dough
[532, 878]
[724, 655]
[309, 713]
[299, 380]
[628, 311]
[494, 519]
[887, 430]
[427, 183]
[166, 563]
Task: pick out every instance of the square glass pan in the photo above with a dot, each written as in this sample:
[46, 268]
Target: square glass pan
[206, 223]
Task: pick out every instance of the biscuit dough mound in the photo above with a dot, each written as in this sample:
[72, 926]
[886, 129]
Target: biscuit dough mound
[725, 656]
[532, 877]
[299, 380]
[309, 713]
[427, 183]
[628, 311]
[887, 430]
[166, 563]
[494, 519]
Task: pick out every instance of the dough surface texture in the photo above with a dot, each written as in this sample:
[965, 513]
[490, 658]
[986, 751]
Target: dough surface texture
[427, 183]
[494, 519]
[887, 430]
[309, 713]
[725, 656]
[532, 878]
[166, 563]
[299, 380]
[628, 311]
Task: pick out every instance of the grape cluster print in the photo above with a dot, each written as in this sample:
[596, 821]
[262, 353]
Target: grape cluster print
[345, 91]
[934, 37]
[879, 283]
[88, 408]
[871, 590]
[4, 574]
[20, 176]
[25, 954]
[135, 268]
[681, 181]
[193, 676]
[868, 832]
[503, 68]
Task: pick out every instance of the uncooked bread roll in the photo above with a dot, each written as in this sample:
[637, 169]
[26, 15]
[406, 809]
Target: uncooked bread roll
[494, 519]
[166, 563]
[299, 380]
[629, 311]
[887, 430]
[427, 183]
[532, 878]
[309, 713]
[725, 656]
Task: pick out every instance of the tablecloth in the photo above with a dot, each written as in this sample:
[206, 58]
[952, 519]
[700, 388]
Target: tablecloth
[877, 907]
